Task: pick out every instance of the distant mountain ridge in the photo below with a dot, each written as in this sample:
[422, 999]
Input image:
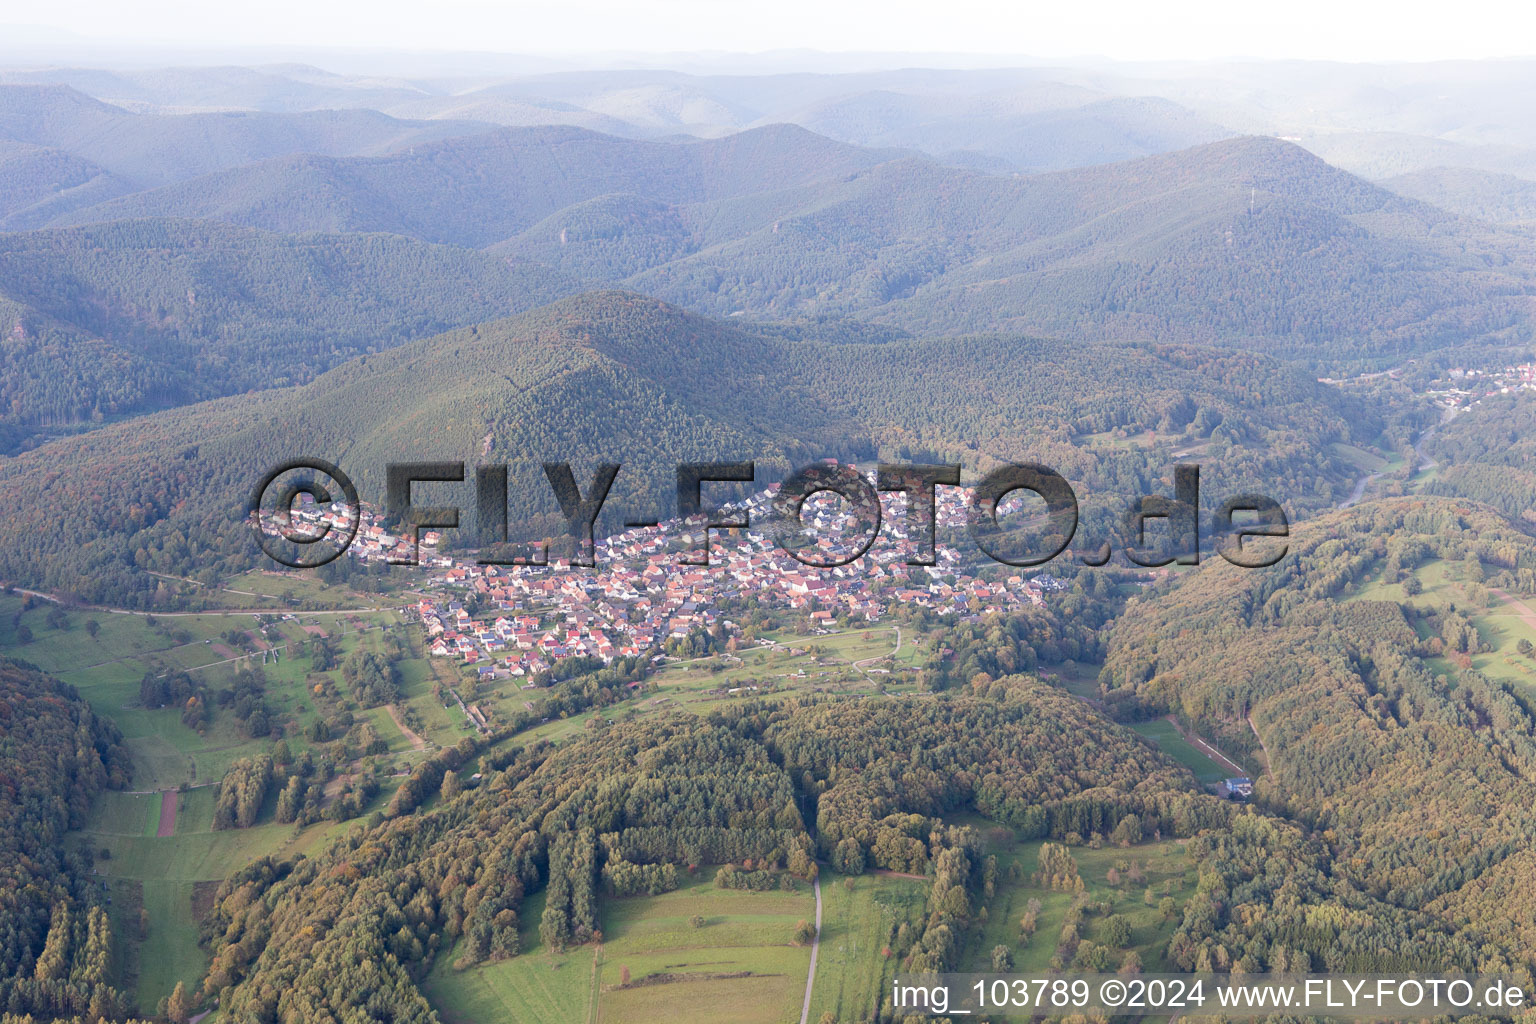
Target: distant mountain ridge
[477, 190]
[780, 222]
[150, 150]
[1179, 246]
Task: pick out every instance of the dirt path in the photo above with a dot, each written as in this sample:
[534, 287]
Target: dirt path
[417, 743]
[1269, 764]
[879, 657]
[810, 980]
[168, 803]
[595, 996]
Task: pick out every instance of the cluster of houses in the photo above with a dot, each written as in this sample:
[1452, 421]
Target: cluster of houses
[520, 620]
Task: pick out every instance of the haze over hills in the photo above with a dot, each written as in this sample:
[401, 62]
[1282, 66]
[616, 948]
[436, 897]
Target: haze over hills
[481, 189]
[277, 89]
[1013, 131]
[1014, 120]
[1373, 119]
[155, 149]
[1385, 155]
[1482, 195]
[778, 222]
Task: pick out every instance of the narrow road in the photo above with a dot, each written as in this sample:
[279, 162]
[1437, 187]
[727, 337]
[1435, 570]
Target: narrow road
[1359, 491]
[1424, 461]
[1447, 414]
[810, 980]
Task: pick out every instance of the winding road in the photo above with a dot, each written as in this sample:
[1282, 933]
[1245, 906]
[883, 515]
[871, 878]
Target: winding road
[1359, 491]
[1423, 461]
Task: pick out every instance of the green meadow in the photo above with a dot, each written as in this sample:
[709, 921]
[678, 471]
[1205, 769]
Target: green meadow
[1164, 869]
[855, 966]
[1501, 624]
[1171, 742]
[744, 933]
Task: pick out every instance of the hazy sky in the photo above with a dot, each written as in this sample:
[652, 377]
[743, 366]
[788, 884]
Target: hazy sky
[1122, 29]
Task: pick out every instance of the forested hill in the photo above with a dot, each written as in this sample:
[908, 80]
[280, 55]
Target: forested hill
[56, 955]
[624, 378]
[113, 319]
[628, 807]
[1246, 242]
[1377, 730]
[480, 189]
[1485, 195]
[1487, 453]
[37, 183]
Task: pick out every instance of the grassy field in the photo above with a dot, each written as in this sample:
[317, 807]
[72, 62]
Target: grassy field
[535, 986]
[292, 589]
[850, 662]
[1364, 461]
[125, 814]
[1500, 625]
[845, 663]
[1164, 868]
[852, 972]
[108, 667]
[1169, 741]
[1081, 679]
[742, 932]
[163, 874]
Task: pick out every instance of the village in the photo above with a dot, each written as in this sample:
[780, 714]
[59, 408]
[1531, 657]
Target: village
[518, 621]
[1463, 387]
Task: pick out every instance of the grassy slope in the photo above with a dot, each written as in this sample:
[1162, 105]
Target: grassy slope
[1499, 625]
[1166, 869]
[743, 931]
[1170, 742]
[165, 873]
[107, 670]
[856, 925]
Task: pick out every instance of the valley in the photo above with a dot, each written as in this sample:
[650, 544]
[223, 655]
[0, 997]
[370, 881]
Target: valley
[421, 783]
